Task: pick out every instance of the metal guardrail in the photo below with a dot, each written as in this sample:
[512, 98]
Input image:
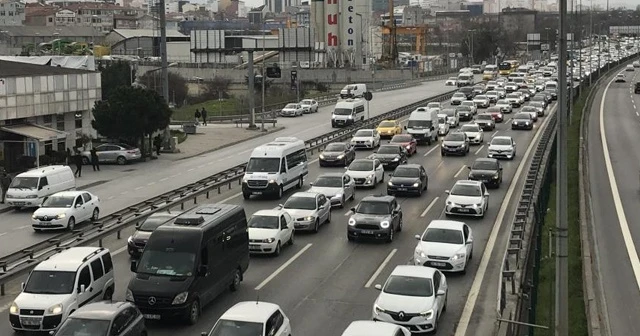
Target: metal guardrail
[21, 262]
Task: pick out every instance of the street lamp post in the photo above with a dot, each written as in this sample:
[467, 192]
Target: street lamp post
[263, 75]
[362, 52]
[471, 47]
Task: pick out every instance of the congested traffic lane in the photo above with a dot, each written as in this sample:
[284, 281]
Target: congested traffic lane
[320, 281]
[618, 238]
[167, 175]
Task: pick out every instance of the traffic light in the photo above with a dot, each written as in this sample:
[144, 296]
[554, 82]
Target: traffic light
[274, 71]
[294, 80]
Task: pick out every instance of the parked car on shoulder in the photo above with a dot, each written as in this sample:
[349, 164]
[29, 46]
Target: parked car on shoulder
[309, 105]
[113, 153]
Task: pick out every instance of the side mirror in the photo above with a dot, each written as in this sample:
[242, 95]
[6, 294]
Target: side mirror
[500, 168]
[378, 286]
[311, 184]
[285, 226]
[468, 167]
[134, 266]
[22, 285]
[353, 210]
[395, 212]
[280, 206]
[469, 241]
[51, 332]
[441, 292]
[433, 128]
[405, 127]
[78, 205]
[514, 143]
[203, 270]
[447, 191]
[82, 289]
[321, 207]
[138, 225]
[390, 174]
[486, 194]
[417, 237]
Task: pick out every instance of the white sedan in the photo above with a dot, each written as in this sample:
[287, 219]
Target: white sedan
[451, 81]
[309, 105]
[366, 138]
[504, 105]
[502, 147]
[472, 105]
[434, 105]
[467, 197]
[309, 210]
[445, 245]
[64, 209]
[269, 230]
[292, 110]
[366, 172]
[482, 101]
[474, 133]
[443, 126]
[337, 187]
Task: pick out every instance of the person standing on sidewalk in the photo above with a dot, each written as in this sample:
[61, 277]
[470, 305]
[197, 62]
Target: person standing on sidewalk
[197, 116]
[77, 158]
[204, 116]
[94, 159]
[5, 182]
[157, 144]
[69, 157]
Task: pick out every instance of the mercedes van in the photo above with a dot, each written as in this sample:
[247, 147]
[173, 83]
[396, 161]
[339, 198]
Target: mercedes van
[348, 112]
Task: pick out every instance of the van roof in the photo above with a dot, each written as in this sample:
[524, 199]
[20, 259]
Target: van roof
[250, 311]
[277, 147]
[37, 172]
[350, 102]
[201, 217]
[68, 260]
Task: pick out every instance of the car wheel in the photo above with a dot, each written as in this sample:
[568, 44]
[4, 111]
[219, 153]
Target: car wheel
[71, 224]
[291, 239]
[95, 215]
[316, 226]
[121, 160]
[194, 313]
[108, 294]
[300, 183]
[420, 192]
[442, 153]
[246, 195]
[353, 196]
[280, 192]
[235, 284]
[400, 222]
[349, 238]
[276, 252]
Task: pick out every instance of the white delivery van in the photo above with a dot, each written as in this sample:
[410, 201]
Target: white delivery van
[275, 167]
[423, 126]
[347, 112]
[465, 79]
[551, 85]
[28, 189]
[353, 91]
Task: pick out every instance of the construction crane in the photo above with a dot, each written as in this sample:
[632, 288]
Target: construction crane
[391, 56]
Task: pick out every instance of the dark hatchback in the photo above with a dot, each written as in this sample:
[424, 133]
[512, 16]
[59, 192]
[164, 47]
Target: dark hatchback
[456, 143]
[464, 113]
[637, 88]
[408, 179]
[468, 91]
[487, 171]
[391, 156]
[139, 238]
[337, 154]
[375, 217]
[522, 121]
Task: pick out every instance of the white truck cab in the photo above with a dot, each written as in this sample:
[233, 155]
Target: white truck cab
[423, 125]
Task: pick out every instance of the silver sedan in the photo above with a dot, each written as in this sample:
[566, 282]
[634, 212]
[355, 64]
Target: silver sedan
[337, 187]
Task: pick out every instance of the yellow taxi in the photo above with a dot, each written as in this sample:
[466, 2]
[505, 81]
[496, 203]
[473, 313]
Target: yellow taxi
[389, 128]
[488, 75]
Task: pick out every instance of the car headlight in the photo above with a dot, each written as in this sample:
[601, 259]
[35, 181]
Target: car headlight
[309, 218]
[14, 309]
[384, 224]
[496, 176]
[333, 116]
[32, 196]
[180, 298]
[390, 184]
[269, 240]
[55, 309]
[341, 156]
[419, 252]
[62, 215]
[526, 123]
[272, 181]
[427, 314]
[515, 123]
[130, 240]
[321, 156]
[378, 309]
[417, 184]
[350, 117]
[352, 222]
[370, 177]
[477, 205]
[33, 216]
[458, 256]
[129, 296]
[396, 159]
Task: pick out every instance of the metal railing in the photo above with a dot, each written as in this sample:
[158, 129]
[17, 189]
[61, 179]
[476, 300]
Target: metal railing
[21, 262]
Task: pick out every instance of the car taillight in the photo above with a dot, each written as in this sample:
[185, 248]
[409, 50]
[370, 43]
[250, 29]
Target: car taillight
[131, 152]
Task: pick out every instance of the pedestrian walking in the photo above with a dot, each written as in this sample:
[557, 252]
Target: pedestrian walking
[5, 182]
[69, 157]
[197, 115]
[78, 162]
[204, 116]
[157, 144]
[94, 159]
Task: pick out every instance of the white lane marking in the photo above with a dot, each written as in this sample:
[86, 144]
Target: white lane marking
[118, 251]
[380, 268]
[622, 218]
[479, 149]
[459, 171]
[230, 197]
[637, 112]
[494, 133]
[124, 193]
[3, 233]
[281, 268]
[424, 213]
[137, 188]
[313, 161]
[111, 197]
[190, 169]
[431, 150]
[164, 179]
[470, 303]
[151, 183]
[21, 227]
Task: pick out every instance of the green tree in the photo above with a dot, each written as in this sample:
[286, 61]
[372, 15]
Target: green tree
[114, 75]
[178, 90]
[131, 114]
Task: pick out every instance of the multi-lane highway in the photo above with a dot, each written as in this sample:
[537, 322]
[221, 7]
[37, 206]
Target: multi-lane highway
[613, 128]
[15, 228]
[324, 282]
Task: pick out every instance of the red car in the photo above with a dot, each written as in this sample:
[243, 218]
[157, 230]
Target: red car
[496, 113]
[407, 141]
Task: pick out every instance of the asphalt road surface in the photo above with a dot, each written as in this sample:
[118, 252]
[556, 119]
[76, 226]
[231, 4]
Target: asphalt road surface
[321, 281]
[614, 177]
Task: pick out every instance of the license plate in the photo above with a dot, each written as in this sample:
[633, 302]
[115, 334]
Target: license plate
[18, 203]
[31, 321]
[464, 210]
[367, 231]
[257, 192]
[402, 189]
[440, 264]
[151, 316]
[254, 246]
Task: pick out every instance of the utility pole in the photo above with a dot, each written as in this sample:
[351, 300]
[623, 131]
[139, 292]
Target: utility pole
[164, 64]
[393, 51]
[264, 77]
[471, 46]
[562, 281]
[251, 91]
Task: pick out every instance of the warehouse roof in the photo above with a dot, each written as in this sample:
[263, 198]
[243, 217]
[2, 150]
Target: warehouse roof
[49, 31]
[19, 69]
[130, 33]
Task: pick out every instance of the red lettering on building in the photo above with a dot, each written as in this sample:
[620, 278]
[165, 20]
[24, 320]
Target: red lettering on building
[332, 2]
[332, 40]
[332, 19]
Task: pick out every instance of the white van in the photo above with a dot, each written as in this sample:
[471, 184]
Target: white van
[423, 126]
[347, 112]
[353, 91]
[465, 79]
[29, 188]
[60, 285]
[551, 85]
[275, 167]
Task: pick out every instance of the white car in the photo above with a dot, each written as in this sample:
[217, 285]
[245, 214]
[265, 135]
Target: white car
[366, 172]
[451, 81]
[482, 101]
[458, 98]
[252, 318]
[472, 105]
[309, 210]
[620, 78]
[502, 147]
[521, 96]
[366, 138]
[493, 96]
[474, 133]
[65, 209]
[414, 297]
[531, 110]
[269, 230]
[434, 105]
[443, 125]
[375, 328]
[467, 197]
[636, 64]
[511, 86]
[309, 105]
[504, 105]
[630, 67]
[337, 187]
[514, 99]
[446, 245]
[501, 93]
[292, 110]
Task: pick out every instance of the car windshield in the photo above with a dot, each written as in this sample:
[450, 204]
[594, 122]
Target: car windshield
[307, 102]
[525, 116]
[335, 147]
[264, 222]
[300, 203]
[446, 236]
[484, 165]
[24, 182]
[236, 328]
[468, 103]
[389, 150]
[433, 105]
[404, 138]
[291, 106]
[50, 282]
[482, 97]
[387, 124]
[342, 111]
[152, 223]
[328, 182]
[361, 165]
[513, 95]
[449, 112]
[501, 142]
[84, 327]
[408, 286]
[406, 172]
[536, 104]
[484, 117]
[56, 201]
[469, 128]
[493, 109]
[452, 78]
[492, 93]
[419, 124]
[442, 120]
[465, 190]
[373, 208]
[364, 133]
[459, 95]
[454, 137]
[263, 165]
[167, 262]
[529, 109]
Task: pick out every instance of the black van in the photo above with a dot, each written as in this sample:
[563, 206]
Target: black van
[187, 263]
